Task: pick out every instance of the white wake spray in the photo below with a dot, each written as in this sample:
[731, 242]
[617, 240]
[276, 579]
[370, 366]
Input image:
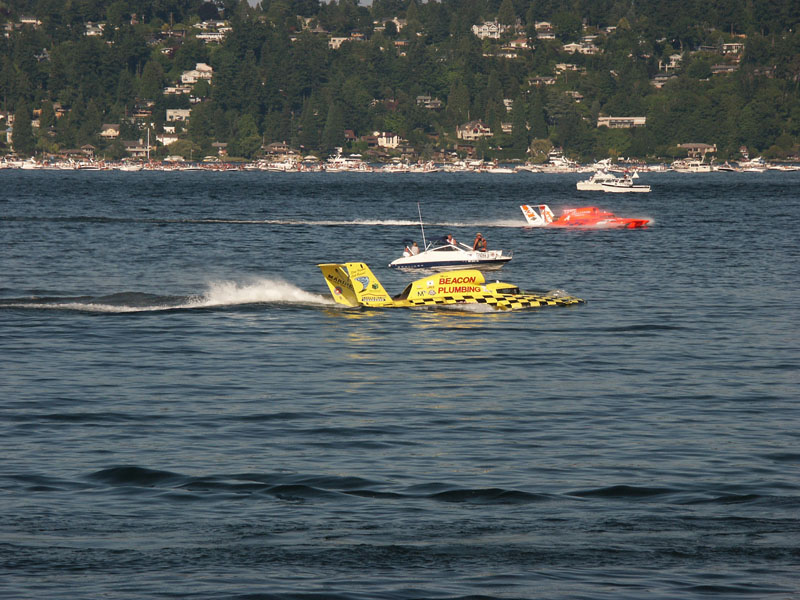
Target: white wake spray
[229, 293]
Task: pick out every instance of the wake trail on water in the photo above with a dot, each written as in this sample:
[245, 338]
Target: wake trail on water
[288, 222]
[219, 294]
[361, 222]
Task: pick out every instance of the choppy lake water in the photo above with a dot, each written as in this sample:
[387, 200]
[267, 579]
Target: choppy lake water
[184, 412]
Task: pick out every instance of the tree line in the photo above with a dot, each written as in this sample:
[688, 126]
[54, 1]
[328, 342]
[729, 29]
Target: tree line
[276, 77]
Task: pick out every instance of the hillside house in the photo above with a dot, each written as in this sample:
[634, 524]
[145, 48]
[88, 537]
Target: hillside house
[544, 30]
[177, 90]
[165, 139]
[581, 48]
[109, 131]
[621, 122]
[429, 102]
[698, 150]
[733, 48]
[538, 81]
[491, 30]
[94, 29]
[474, 130]
[178, 114]
[386, 139]
[398, 23]
[200, 71]
[136, 149]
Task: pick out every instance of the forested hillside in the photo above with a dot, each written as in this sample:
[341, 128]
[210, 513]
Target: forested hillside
[524, 75]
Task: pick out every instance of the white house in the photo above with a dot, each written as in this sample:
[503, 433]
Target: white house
[474, 130]
[387, 139]
[165, 139]
[200, 71]
[490, 30]
[94, 29]
[582, 48]
[177, 90]
[211, 36]
[178, 114]
[621, 122]
[109, 131]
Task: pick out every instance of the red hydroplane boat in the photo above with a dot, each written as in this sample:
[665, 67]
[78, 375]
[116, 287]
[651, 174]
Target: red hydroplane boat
[588, 216]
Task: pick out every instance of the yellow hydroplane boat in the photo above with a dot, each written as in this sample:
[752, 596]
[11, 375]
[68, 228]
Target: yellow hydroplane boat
[354, 284]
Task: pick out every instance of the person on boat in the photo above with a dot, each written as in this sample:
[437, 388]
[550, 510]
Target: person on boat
[414, 249]
[451, 240]
[406, 251]
[480, 243]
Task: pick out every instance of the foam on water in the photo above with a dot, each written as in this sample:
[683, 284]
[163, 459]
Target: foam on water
[218, 294]
[228, 293]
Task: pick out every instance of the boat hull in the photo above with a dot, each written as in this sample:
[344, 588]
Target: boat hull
[622, 189]
[443, 265]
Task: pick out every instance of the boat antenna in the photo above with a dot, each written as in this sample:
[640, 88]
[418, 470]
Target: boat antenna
[424, 243]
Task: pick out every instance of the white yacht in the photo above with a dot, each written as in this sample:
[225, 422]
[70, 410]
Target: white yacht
[603, 181]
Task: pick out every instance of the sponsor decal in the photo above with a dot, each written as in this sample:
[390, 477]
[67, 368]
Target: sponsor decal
[459, 289]
[364, 281]
[340, 281]
[459, 279]
[337, 291]
[430, 282]
[372, 299]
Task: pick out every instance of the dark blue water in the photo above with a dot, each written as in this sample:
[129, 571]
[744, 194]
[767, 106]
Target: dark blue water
[184, 413]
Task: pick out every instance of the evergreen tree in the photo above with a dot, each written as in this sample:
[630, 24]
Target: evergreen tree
[48, 117]
[458, 103]
[333, 134]
[90, 124]
[152, 82]
[309, 129]
[537, 118]
[247, 141]
[125, 89]
[505, 15]
[22, 134]
[494, 117]
[519, 127]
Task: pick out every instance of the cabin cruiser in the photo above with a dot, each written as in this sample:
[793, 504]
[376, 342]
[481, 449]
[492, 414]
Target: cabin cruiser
[445, 255]
[595, 182]
[354, 285]
[686, 165]
[586, 217]
[353, 163]
[604, 181]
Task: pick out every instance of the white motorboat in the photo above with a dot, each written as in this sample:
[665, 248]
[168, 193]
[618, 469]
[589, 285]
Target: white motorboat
[353, 163]
[595, 182]
[604, 181]
[691, 166]
[442, 255]
[447, 254]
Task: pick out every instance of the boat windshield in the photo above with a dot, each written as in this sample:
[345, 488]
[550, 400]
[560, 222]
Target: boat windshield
[508, 290]
[442, 245]
[404, 294]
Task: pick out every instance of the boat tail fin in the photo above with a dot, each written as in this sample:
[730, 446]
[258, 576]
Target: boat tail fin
[367, 288]
[537, 219]
[547, 214]
[339, 284]
[531, 216]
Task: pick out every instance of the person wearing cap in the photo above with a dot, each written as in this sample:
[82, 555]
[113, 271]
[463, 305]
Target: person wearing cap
[479, 243]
